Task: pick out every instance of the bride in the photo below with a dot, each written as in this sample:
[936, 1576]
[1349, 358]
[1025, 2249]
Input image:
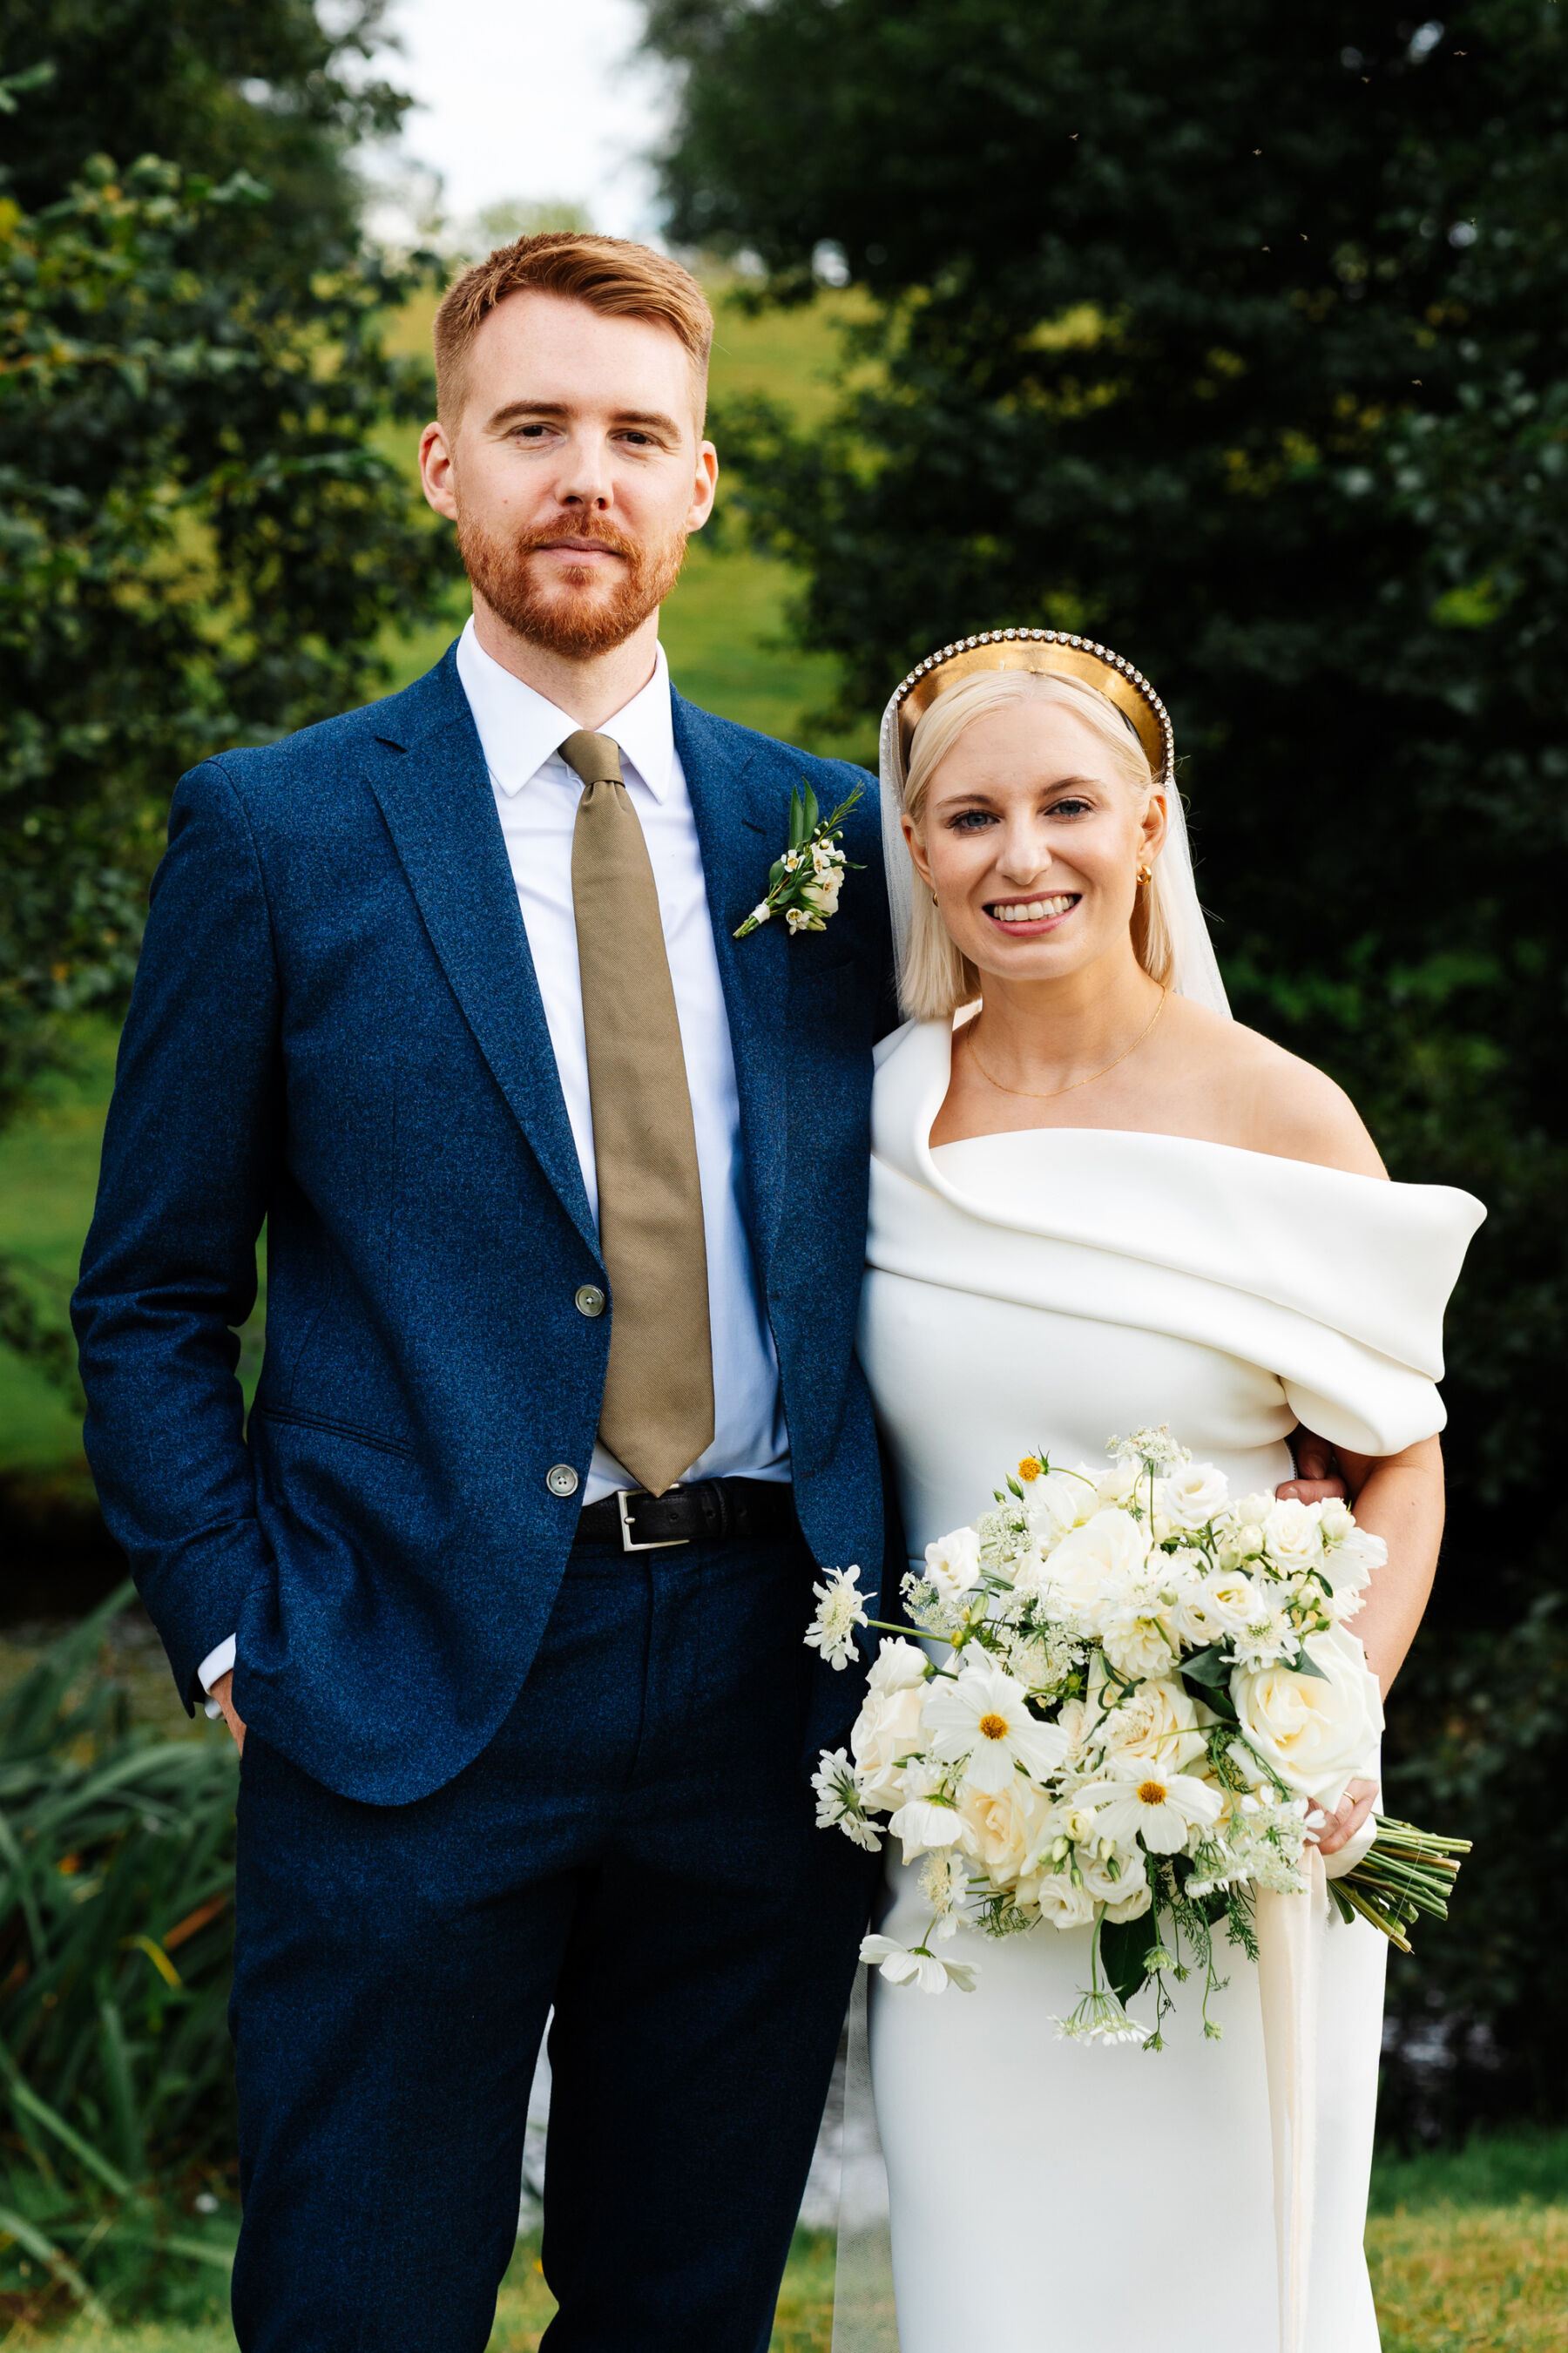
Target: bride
[1099, 1203]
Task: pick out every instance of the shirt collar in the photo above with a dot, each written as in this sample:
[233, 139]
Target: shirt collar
[519, 728]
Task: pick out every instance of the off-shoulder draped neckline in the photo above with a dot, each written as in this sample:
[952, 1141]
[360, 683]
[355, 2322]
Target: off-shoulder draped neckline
[1371, 1259]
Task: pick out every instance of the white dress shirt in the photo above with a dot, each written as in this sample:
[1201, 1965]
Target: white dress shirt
[536, 796]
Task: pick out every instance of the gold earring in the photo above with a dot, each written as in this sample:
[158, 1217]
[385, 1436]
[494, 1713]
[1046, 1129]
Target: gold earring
[934, 900]
[1145, 874]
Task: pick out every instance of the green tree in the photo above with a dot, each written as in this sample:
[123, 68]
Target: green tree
[1238, 337]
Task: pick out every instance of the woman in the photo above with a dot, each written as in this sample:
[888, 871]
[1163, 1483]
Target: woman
[1099, 1203]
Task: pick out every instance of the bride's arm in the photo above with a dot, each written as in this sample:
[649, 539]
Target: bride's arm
[1398, 1497]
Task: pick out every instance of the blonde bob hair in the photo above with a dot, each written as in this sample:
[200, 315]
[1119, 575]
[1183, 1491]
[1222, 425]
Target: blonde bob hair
[935, 979]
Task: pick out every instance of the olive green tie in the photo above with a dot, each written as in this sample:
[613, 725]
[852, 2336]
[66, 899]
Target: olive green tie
[658, 1414]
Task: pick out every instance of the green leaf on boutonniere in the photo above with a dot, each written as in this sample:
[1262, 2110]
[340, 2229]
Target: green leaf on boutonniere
[805, 883]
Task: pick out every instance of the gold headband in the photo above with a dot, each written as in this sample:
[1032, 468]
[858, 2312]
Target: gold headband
[1049, 653]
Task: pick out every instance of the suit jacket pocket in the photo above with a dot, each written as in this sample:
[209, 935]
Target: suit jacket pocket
[300, 1419]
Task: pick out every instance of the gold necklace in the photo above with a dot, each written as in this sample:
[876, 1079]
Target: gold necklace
[1030, 1091]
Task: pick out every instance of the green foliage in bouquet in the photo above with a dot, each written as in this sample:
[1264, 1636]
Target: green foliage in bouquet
[116, 1921]
[804, 884]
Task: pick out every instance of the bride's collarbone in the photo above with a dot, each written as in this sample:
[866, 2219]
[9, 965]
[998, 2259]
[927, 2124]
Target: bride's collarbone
[1206, 1082]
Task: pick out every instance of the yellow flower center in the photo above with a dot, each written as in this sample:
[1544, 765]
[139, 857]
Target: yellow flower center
[995, 1727]
[1029, 1468]
[1152, 1793]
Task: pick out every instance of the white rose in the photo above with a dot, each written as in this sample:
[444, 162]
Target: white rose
[1335, 1520]
[1098, 1563]
[1227, 1600]
[1191, 1496]
[1063, 1905]
[952, 1564]
[1251, 1510]
[1119, 1881]
[888, 1727]
[1292, 1537]
[1317, 1731]
[1157, 1726]
[1002, 1831]
[898, 1667]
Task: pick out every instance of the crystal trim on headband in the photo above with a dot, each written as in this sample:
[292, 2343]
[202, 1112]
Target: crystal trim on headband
[1053, 638]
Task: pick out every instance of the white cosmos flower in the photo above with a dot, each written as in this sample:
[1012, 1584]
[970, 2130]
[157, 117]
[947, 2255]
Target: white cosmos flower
[952, 1564]
[926, 1827]
[1191, 1496]
[982, 1716]
[841, 1607]
[901, 1965]
[1161, 1808]
[1317, 1731]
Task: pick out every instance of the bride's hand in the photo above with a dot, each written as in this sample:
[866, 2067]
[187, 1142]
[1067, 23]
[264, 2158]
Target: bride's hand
[1340, 1827]
[1318, 1473]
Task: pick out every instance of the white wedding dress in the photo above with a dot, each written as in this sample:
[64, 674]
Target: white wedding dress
[1050, 1289]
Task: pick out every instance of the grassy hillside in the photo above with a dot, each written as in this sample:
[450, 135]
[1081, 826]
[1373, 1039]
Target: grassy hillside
[724, 631]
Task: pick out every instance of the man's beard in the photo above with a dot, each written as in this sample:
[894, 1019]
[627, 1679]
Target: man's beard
[576, 615]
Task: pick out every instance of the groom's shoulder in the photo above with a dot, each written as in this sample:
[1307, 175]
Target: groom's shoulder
[771, 765]
[327, 758]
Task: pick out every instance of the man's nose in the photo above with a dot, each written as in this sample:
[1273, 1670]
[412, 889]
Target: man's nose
[584, 477]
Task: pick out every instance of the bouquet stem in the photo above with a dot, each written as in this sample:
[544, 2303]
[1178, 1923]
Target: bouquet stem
[1407, 1872]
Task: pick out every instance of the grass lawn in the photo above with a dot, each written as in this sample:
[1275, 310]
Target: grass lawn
[1469, 2254]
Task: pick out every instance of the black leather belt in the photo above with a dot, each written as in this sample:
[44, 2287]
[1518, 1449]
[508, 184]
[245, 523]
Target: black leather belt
[712, 1511]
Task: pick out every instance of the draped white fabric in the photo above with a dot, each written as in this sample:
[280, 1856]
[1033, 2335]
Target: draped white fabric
[1050, 1288]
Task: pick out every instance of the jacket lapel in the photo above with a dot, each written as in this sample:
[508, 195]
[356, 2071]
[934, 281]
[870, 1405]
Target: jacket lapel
[428, 775]
[741, 833]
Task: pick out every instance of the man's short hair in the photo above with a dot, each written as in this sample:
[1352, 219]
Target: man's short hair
[610, 274]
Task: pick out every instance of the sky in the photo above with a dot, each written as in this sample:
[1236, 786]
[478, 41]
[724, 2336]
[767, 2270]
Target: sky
[539, 100]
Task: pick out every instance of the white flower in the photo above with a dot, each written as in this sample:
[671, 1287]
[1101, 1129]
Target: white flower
[887, 1730]
[841, 1607]
[1101, 2018]
[1266, 1635]
[1161, 1808]
[838, 1800]
[926, 1827]
[821, 894]
[945, 1883]
[1157, 1724]
[1058, 1501]
[1063, 1902]
[901, 1965]
[898, 1667]
[1117, 1880]
[1350, 1565]
[1193, 1495]
[952, 1564]
[1292, 1537]
[1002, 1829]
[981, 1719]
[1149, 1450]
[1136, 1641]
[1317, 1731]
[1095, 1565]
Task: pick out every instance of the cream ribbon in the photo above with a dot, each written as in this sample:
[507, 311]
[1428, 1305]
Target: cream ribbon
[1290, 1930]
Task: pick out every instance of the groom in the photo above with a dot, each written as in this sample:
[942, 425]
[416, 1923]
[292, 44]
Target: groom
[503, 1592]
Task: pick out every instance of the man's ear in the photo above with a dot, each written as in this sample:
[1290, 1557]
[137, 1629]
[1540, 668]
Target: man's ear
[704, 486]
[437, 467]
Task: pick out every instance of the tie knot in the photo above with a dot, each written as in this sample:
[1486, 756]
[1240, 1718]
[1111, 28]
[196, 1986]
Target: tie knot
[596, 758]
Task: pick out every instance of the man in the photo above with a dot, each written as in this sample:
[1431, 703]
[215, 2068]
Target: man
[504, 1598]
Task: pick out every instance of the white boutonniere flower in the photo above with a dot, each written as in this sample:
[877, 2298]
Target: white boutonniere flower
[805, 883]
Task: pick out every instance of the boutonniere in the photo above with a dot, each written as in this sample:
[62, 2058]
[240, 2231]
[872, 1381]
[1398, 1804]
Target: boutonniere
[805, 883]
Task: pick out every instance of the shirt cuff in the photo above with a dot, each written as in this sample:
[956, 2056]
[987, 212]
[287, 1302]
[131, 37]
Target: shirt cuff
[217, 1662]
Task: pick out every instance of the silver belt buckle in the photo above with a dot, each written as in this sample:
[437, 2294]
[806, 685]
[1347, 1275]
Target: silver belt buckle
[629, 1542]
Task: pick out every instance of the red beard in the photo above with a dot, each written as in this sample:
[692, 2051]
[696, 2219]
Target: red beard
[578, 613]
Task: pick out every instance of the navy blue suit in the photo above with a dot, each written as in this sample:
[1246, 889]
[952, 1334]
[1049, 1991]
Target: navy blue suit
[483, 1771]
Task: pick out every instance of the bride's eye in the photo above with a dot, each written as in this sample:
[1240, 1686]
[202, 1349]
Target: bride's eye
[970, 820]
[1073, 805]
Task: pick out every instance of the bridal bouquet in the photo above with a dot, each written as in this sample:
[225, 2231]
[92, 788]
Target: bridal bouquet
[1148, 1690]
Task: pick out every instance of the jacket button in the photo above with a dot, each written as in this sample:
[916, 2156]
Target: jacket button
[561, 1479]
[590, 1299]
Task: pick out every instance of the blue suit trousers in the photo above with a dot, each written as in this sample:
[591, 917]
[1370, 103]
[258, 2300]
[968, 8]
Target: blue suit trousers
[636, 1845]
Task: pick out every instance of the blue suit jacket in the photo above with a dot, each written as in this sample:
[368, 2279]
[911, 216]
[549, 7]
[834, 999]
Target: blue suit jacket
[336, 1028]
